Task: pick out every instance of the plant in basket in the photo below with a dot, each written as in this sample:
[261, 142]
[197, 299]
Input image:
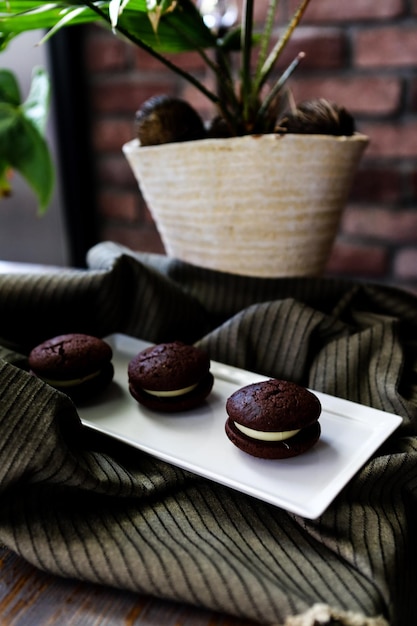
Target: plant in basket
[227, 192]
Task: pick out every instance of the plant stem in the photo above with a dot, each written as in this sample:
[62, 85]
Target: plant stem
[246, 43]
[277, 87]
[221, 69]
[280, 45]
[174, 68]
[266, 35]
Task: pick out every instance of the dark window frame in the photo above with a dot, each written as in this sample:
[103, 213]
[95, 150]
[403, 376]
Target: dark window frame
[73, 131]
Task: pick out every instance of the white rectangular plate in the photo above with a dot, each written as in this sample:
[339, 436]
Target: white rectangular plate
[196, 440]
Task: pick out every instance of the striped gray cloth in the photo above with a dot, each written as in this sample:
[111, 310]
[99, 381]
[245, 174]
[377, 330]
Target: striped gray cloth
[79, 505]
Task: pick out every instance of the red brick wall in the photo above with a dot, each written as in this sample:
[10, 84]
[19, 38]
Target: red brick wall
[360, 53]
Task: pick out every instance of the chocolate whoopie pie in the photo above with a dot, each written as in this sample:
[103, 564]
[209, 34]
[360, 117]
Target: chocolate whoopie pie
[170, 377]
[77, 364]
[273, 419]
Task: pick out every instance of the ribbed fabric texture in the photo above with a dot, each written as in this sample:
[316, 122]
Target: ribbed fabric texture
[79, 505]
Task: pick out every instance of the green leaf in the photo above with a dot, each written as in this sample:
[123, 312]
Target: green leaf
[178, 30]
[5, 186]
[180, 27]
[9, 88]
[36, 107]
[19, 17]
[22, 144]
[28, 153]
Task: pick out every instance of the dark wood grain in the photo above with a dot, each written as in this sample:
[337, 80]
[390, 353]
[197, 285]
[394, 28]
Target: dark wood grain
[30, 597]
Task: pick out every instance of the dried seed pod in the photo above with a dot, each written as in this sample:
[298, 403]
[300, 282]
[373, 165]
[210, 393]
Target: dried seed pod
[163, 119]
[218, 128]
[318, 117]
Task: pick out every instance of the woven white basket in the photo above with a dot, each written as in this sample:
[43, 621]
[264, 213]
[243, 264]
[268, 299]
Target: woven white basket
[264, 205]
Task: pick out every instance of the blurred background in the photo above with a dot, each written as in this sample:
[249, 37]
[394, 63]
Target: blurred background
[24, 236]
[361, 54]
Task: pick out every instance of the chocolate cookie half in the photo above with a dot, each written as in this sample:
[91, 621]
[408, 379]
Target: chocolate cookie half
[170, 377]
[273, 419]
[77, 364]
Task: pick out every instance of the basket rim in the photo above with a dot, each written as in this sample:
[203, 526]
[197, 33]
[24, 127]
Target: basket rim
[134, 144]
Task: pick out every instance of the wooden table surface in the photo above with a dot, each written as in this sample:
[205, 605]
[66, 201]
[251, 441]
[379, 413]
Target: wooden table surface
[30, 597]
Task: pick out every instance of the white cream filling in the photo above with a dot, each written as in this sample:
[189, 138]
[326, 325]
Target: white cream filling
[266, 436]
[70, 383]
[171, 394]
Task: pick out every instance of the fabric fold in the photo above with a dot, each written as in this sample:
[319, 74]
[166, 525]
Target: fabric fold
[81, 505]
